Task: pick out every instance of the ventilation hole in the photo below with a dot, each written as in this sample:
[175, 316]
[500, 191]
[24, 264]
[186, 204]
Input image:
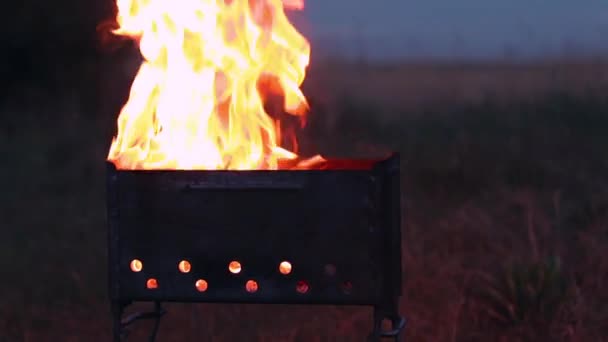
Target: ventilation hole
[330, 270]
[136, 265]
[234, 267]
[201, 285]
[184, 266]
[251, 286]
[152, 284]
[347, 287]
[302, 286]
[285, 267]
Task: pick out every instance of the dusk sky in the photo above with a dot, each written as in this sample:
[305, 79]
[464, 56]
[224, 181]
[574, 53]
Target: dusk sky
[465, 28]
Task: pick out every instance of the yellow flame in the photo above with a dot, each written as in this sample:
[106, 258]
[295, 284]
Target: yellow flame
[195, 103]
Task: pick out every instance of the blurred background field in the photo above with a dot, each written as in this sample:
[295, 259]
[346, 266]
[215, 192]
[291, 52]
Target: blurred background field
[504, 186]
[505, 196]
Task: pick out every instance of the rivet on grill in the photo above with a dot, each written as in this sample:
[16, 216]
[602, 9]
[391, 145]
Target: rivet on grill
[234, 267]
[152, 284]
[136, 265]
[302, 287]
[201, 285]
[184, 266]
[251, 286]
[285, 267]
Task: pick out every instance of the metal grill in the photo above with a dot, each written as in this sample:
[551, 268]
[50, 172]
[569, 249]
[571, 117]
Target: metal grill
[330, 236]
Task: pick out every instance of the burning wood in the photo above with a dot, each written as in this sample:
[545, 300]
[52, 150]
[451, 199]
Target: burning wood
[195, 102]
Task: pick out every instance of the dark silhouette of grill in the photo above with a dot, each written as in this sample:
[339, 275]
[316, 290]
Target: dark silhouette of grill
[329, 236]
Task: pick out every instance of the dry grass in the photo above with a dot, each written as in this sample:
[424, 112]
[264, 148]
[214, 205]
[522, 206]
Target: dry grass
[506, 200]
[413, 86]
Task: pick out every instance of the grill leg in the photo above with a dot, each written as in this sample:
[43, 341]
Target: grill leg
[117, 310]
[119, 332]
[158, 310]
[397, 324]
[377, 330]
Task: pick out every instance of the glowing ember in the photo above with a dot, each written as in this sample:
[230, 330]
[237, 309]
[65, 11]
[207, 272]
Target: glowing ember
[152, 284]
[201, 285]
[285, 267]
[251, 286]
[234, 267]
[184, 266]
[195, 102]
[136, 265]
[302, 286]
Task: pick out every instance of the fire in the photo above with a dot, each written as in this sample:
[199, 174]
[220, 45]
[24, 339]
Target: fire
[195, 102]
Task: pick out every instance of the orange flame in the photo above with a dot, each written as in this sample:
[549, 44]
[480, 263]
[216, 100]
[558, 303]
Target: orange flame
[195, 103]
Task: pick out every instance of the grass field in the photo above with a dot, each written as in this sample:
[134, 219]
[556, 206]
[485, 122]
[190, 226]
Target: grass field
[505, 195]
